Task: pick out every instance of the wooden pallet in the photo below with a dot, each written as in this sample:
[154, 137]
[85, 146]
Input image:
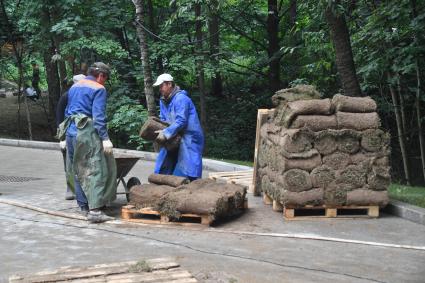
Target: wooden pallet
[276, 205]
[314, 212]
[149, 216]
[262, 116]
[152, 270]
[317, 212]
[243, 178]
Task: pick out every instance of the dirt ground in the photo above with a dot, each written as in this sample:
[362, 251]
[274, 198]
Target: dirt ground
[9, 119]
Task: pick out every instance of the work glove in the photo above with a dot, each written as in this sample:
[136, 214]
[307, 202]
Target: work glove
[161, 138]
[107, 146]
[62, 144]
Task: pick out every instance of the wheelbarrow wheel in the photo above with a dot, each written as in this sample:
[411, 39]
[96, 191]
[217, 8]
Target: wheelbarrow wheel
[133, 181]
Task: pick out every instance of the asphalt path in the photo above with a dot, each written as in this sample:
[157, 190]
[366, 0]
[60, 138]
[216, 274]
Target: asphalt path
[258, 246]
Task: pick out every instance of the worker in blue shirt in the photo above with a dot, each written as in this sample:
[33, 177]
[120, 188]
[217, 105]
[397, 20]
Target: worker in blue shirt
[178, 110]
[87, 98]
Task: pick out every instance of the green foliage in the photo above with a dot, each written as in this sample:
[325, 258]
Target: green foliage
[126, 119]
[412, 195]
[387, 41]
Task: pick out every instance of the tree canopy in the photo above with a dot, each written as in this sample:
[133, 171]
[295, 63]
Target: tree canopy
[231, 56]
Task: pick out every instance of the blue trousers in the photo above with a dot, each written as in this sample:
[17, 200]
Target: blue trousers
[79, 193]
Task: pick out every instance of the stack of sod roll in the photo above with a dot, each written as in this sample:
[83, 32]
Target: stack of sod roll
[324, 151]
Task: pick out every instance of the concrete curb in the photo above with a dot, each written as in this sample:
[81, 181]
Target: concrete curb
[208, 164]
[407, 211]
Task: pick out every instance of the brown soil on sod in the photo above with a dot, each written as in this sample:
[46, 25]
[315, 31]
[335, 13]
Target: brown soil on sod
[336, 160]
[299, 92]
[213, 199]
[352, 175]
[152, 124]
[315, 122]
[358, 121]
[306, 164]
[299, 199]
[147, 195]
[297, 140]
[375, 140]
[367, 197]
[304, 107]
[296, 180]
[322, 176]
[353, 104]
[348, 141]
[168, 180]
[325, 141]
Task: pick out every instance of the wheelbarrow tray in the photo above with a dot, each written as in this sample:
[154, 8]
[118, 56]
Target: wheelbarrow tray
[124, 164]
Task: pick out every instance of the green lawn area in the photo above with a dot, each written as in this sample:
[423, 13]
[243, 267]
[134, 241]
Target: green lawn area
[412, 195]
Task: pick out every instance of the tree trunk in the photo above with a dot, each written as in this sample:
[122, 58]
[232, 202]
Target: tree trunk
[419, 117]
[214, 25]
[200, 65]
[292, 13]
[273, 48]
[124, 70]
[53, 80]
[154, 29]
[343, 52]
[400, 133]
[60, 64]
[418, 95]
[402, 107]
[147, 73]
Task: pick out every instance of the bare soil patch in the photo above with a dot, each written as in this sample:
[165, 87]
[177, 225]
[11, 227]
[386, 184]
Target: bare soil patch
[9, 125]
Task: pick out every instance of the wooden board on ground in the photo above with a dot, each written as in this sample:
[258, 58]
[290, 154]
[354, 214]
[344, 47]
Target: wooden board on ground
[243, 178]
[262, 116]
[151, 270]
[320, 212]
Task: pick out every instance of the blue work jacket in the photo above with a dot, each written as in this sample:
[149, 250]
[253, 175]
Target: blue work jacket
[180, 113]
[88, 97]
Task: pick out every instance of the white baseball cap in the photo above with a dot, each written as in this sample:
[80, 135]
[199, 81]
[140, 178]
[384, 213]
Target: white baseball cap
[78, 78]
[163, 78]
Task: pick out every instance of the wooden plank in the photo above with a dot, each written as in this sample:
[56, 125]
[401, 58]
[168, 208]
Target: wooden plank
[266, 199]
[230, 173]
[71, 273]
[331, 212]
[373, 211]
[132, 214]
[339, 212]
[262, 116]
[159, 276]
[277, 206]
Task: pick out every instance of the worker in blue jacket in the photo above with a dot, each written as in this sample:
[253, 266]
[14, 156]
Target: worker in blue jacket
[86, 131]
[177, 109]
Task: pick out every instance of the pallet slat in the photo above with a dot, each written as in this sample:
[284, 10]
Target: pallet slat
[262, 116]
[132, 214]
[318, 212]
[243, 178]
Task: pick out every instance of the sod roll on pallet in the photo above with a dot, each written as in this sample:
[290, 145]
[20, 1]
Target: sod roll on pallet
[324, 151]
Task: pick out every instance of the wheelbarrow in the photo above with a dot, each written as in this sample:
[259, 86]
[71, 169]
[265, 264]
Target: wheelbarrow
[124, 164]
